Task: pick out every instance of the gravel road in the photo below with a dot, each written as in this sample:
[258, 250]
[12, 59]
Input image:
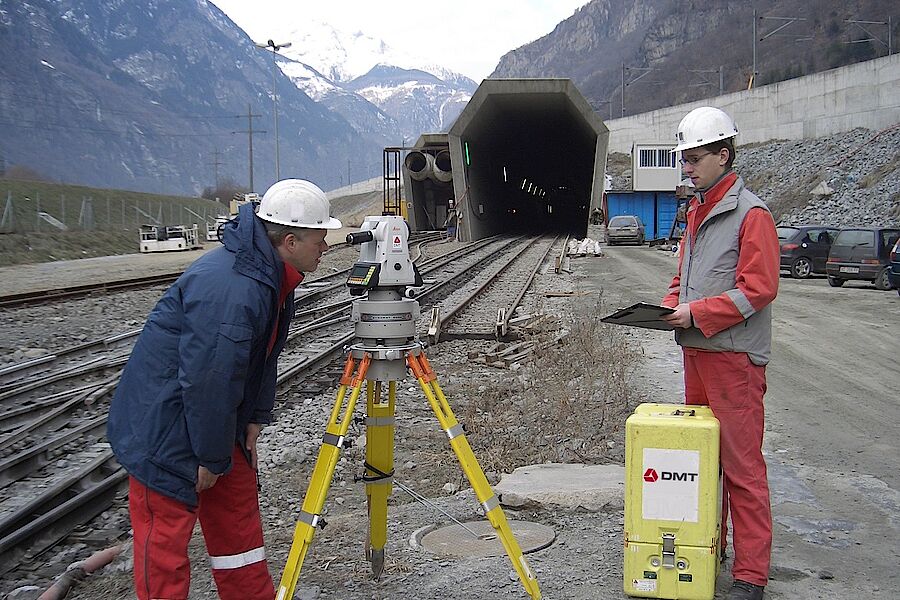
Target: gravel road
[832, 414]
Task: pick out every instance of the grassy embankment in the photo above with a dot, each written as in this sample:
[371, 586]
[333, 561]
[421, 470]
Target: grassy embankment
[117, 216]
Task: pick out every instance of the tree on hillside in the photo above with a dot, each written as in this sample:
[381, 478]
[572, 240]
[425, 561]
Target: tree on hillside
[225, 191]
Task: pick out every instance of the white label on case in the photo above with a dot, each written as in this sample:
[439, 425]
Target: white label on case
[644, 585]
[671, 486]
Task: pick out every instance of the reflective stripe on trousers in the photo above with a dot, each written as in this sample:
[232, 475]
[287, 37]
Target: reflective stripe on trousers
[236, 561]
[229, 518]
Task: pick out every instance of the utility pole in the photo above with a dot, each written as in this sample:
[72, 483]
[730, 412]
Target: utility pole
[275, 48]
[786, 21]
[249, 131]
[872, 37]
[646, 71]
[215, 164]
[753, 74]
[705, 81]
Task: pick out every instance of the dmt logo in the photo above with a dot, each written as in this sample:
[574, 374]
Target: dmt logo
[650, 475]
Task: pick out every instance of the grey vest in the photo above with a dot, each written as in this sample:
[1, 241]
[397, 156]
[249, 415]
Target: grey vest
[708, 269]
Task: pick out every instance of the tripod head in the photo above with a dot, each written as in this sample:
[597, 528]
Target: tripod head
[385, 319]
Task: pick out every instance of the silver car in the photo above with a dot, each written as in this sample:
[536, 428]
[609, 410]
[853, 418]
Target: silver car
[625, 228]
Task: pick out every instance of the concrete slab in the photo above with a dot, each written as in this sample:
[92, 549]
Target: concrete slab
[562, 486]
[479, 540]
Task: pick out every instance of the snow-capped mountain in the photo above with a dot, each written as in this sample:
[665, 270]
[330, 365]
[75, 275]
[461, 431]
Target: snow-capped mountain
[165, 96]
[365, 117]
[342, 56]
[144, 95]
[326, 62]
[419, 101]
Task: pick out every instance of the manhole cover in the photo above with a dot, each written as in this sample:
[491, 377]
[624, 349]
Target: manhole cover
[482, 540]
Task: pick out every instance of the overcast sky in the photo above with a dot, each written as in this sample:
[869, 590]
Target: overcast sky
[478, 31]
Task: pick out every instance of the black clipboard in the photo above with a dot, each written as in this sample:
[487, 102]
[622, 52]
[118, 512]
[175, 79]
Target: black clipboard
[641, 314]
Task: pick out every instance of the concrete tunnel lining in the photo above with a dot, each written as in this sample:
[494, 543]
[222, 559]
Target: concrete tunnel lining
[536, 158]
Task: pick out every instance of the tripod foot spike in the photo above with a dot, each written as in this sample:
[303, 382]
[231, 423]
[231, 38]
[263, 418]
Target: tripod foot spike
[376, 558]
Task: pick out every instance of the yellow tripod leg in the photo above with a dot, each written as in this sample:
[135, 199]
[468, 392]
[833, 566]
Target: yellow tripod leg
[379, 468]
[423, 372]
[320, 481]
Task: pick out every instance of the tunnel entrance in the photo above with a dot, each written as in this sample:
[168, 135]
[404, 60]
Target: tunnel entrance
[528, 155]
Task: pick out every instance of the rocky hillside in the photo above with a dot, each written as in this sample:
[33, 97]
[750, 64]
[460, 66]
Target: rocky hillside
[673, 51]
[860, 171]
[841, 180]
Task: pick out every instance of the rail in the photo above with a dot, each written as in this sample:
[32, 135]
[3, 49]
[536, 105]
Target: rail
[38, 431]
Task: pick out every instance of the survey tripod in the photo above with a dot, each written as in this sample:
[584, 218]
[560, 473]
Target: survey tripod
[385, 323]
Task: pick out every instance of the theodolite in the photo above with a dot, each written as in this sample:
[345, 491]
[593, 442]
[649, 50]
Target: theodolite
[388, 346]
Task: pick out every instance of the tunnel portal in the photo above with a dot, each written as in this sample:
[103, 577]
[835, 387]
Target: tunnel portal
[527, 155]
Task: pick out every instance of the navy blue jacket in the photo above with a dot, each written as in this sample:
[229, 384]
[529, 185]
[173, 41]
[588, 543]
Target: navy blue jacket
[199, 372]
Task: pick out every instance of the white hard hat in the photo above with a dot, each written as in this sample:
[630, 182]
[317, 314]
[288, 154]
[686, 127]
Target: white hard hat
[297, 203]
[702, 126]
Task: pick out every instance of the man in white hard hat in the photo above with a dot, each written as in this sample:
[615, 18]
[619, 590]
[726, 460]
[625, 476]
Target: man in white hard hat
[199, 386]
[727, 278]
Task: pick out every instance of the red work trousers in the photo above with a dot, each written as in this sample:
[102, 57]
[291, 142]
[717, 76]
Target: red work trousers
[229, 517]
[733, 387]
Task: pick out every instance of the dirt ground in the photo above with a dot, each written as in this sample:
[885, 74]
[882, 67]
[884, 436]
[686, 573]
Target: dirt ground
[831, 415]
[830, 443]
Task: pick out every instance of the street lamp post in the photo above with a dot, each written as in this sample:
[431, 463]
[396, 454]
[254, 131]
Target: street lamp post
[270, 45]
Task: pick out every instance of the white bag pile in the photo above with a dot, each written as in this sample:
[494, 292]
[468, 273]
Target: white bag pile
[584, 247]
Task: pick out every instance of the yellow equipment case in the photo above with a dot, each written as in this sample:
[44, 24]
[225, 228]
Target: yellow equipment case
[673, 502]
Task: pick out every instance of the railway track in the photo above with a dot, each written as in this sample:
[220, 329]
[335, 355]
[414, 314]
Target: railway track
[483, 310]
[56, 470]
[108, 287]
[78, 291]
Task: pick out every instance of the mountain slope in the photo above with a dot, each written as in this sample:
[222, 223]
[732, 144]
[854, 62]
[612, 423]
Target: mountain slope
[141, 96]
[673, 51]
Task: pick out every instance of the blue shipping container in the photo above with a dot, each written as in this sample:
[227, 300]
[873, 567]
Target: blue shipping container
[655, 209]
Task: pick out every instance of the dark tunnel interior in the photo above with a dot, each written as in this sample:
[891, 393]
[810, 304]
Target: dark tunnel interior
[530, 165]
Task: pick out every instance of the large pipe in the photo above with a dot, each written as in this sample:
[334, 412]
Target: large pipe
[443, 171]
[78, 571]
[420, 165]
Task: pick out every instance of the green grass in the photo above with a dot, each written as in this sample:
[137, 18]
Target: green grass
[117, 216]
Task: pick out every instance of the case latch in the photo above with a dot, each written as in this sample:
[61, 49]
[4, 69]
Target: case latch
[668, 550]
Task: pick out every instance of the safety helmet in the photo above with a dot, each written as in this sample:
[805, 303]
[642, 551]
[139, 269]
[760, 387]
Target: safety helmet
[702, 126]
[297, 203]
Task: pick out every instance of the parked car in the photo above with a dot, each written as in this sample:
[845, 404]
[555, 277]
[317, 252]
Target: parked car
[804, 249]
[625, 228]
[894, 273]
[862, 253]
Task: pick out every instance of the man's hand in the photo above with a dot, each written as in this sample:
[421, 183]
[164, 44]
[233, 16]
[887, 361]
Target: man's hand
[681, 317]
[253, 430]
[205, 479]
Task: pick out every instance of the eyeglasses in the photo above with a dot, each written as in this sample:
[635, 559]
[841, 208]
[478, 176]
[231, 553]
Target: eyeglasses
[693, 159]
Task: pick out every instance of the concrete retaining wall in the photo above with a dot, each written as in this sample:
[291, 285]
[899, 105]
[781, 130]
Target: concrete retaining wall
[865, 94]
